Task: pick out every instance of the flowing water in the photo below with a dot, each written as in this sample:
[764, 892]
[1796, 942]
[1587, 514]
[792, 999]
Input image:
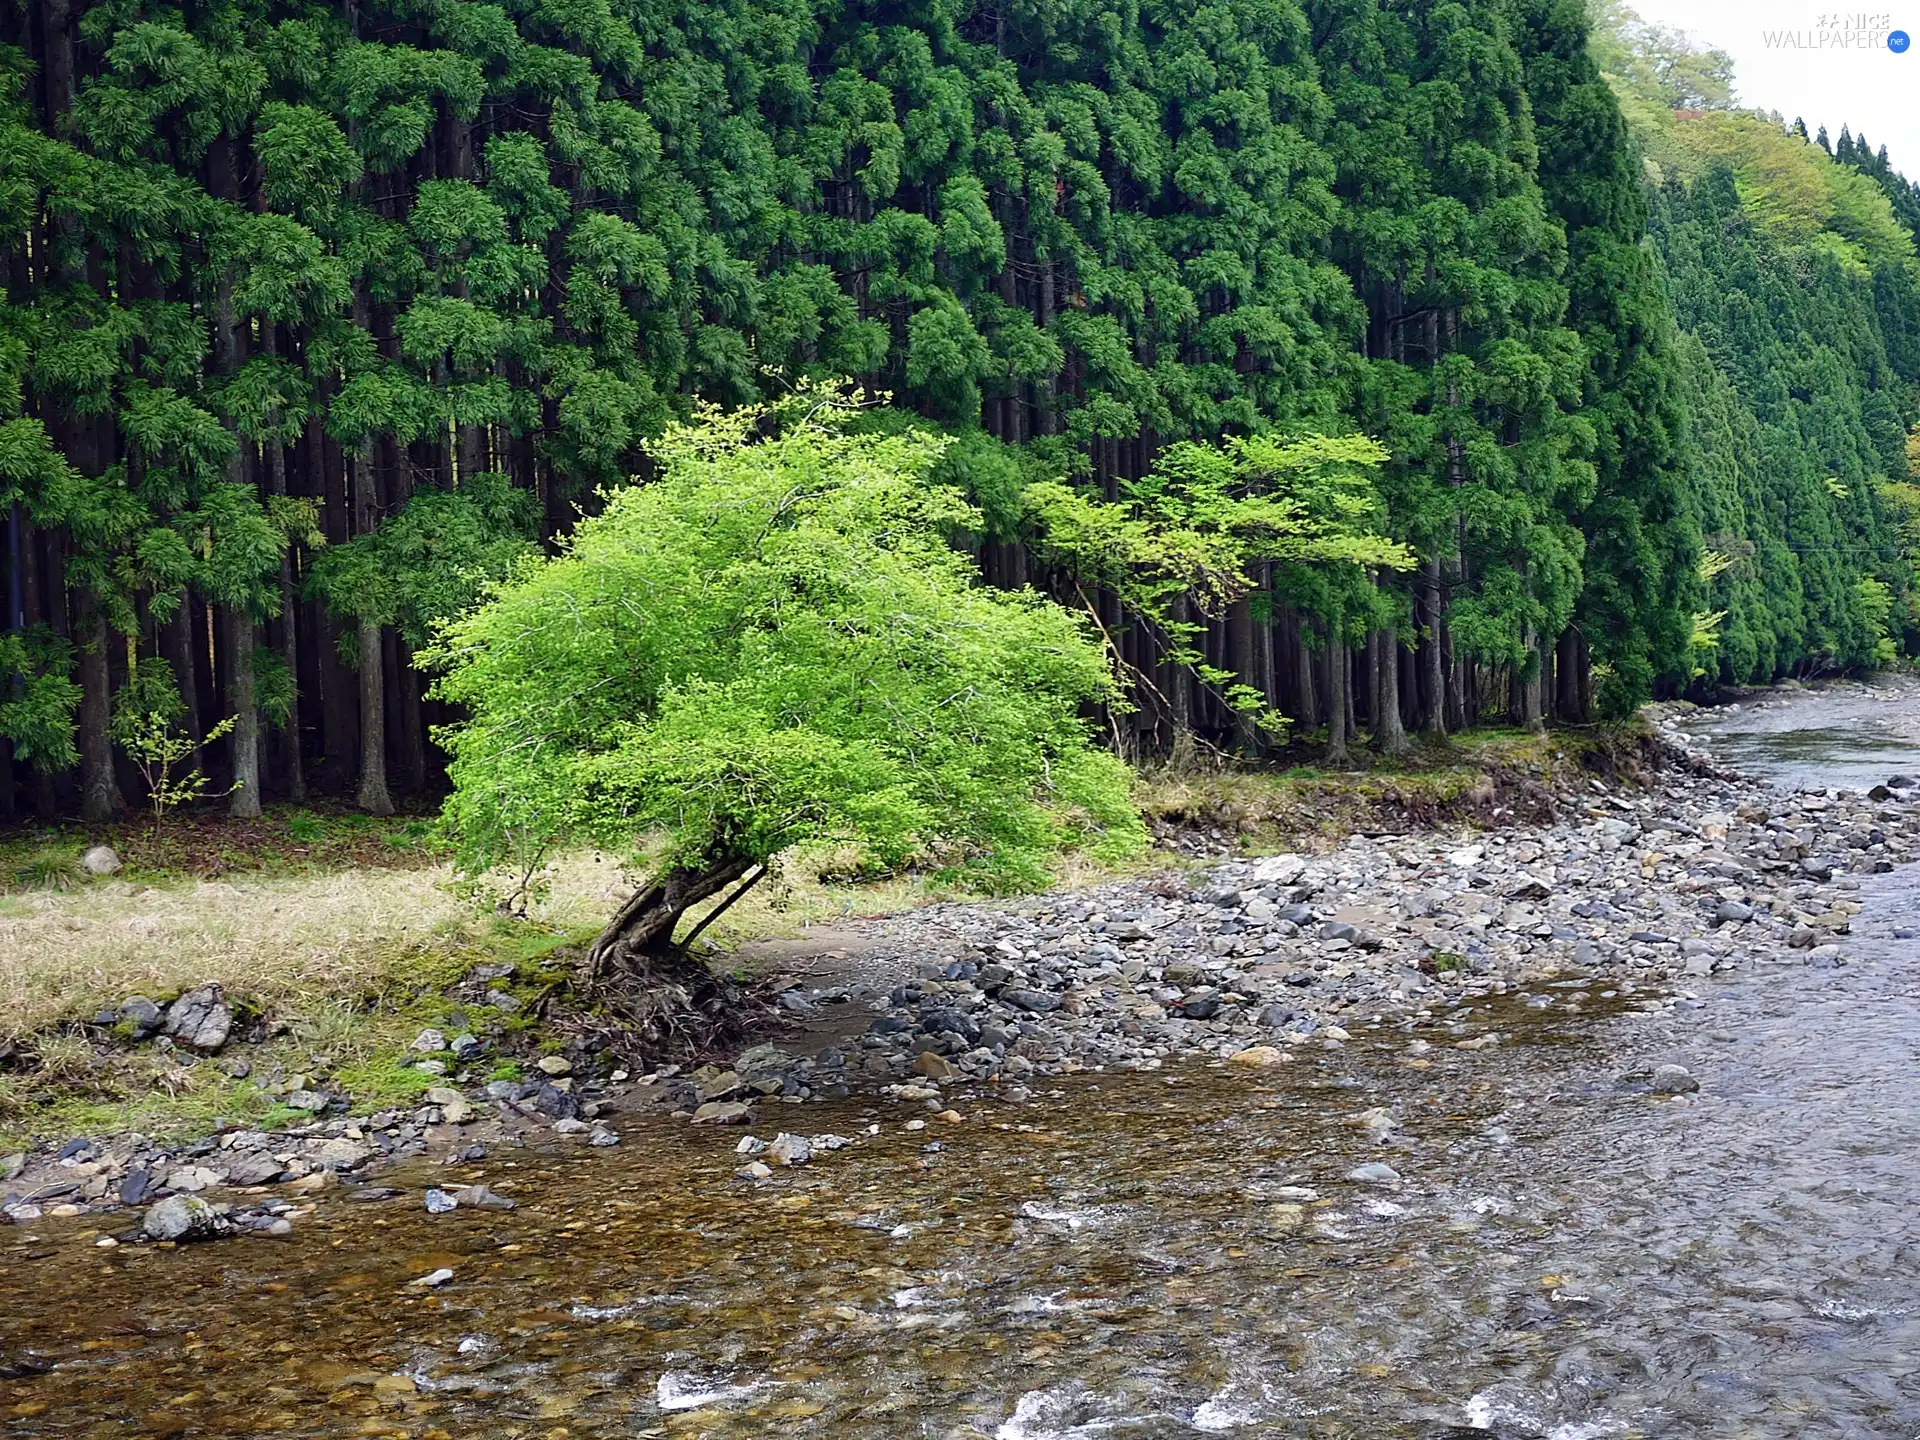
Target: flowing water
[1157, 1255]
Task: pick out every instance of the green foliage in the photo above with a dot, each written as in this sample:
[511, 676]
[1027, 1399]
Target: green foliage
[146, 725]
[773, 643]
[1185, 542]
[38, 698]
[432, 560]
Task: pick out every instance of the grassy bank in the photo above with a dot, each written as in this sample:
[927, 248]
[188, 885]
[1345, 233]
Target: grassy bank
[338, 937]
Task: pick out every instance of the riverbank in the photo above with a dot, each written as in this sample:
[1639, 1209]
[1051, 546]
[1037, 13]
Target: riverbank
[951, 1007]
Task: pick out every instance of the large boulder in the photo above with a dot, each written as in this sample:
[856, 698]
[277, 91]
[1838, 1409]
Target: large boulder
[201, 1019]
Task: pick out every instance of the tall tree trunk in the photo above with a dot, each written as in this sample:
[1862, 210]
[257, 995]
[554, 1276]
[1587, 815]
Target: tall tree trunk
[100, 798]
[1338, 679]
[1566, 672]
[1180, 699]
[1433, 688]
[245, 804]
[373, 796]
[1530, 679]
[1246, 727]
[289, 637]
[1389, 734]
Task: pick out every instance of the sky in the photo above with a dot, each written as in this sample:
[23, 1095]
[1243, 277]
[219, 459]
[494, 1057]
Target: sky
[1865, 86]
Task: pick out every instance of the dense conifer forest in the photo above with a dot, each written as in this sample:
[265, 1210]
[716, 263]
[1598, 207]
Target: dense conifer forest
[318, 316]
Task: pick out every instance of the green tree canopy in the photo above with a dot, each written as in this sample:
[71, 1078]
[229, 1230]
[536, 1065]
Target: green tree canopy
[774, 642]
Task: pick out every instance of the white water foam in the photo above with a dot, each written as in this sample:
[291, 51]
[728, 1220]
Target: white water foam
[691, 1392]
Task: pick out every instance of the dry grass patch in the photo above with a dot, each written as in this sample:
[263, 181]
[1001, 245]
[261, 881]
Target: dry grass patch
[284, 943]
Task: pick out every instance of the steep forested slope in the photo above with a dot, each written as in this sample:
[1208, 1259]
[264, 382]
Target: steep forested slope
[1792, 280]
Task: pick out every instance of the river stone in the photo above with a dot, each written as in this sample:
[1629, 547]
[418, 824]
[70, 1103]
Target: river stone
[931, 1066]
[100, 860]
[723, 1112]
[193, 1178]
[1259, 1057]
[1674, 1080]
[789, 1150]
[439, 1202]
[1037, 1002]
[1280, 870]
[342, 1155]
[255, 1169]
[182, 1217]
[1374, 1173]
[200, 1019]
[141, 1016]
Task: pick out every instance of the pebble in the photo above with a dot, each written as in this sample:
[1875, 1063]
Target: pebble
[1374, 1173]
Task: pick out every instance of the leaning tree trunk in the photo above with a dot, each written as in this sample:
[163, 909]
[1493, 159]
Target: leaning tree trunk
[637, 942]
[245, 804]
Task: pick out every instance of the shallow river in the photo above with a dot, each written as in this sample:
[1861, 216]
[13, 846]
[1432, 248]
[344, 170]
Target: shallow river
[1142, 1256]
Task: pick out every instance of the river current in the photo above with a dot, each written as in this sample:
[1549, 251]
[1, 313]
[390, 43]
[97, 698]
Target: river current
[1149, 1255]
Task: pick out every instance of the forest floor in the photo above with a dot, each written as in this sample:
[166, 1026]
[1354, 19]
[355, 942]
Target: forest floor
[337, 939]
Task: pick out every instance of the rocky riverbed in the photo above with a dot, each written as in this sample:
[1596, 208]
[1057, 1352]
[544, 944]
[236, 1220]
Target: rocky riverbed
[1630, 898]
[1549, 1191]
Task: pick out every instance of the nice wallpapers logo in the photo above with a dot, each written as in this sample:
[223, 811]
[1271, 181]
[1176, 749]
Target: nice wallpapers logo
[1858, 31]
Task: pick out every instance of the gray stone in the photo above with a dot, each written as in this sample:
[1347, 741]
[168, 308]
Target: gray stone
[430, 1042]
[467, 1048]
[141, 1016]
[200, 1019]
[479, 1197]
[1374, 1173]
[181, 1218]
[603, 1138]
[789, 1150]
[342, 1155]
[12, 1165]
[1732, 912]
[723, 1112]
[1674, 1080]
[100, 860]
[1036, 1002]
[439, 1202]
[257, 1169]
